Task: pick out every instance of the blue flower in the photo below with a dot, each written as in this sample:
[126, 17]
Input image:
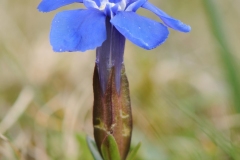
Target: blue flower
[84, 29]
[105, 25]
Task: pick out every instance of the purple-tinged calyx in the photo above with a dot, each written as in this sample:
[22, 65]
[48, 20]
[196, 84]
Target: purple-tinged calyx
[112, 113]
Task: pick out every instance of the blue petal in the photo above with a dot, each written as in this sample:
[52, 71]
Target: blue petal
[168, 20]
[78, 30]
[142, 31]
[134, 5]
[98, 2]
[114, 1]
[50, 5]
[90, 4]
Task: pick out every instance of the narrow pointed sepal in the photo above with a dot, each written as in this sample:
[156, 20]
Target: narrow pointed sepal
[112, 112]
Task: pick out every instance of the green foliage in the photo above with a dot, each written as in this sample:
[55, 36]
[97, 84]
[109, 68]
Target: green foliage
[93, 148]
[133, 152]
[110, 152]
[84, 149]
[109, 149]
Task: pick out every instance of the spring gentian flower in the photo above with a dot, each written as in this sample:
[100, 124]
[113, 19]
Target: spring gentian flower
[85, 29]
[104, 25]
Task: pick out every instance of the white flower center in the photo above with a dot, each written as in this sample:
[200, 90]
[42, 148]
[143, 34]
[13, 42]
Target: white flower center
[106, 6]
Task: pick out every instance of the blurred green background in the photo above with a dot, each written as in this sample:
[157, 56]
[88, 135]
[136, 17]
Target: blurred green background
[185, 94]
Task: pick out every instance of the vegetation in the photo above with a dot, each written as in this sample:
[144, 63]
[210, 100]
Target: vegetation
[185, 94]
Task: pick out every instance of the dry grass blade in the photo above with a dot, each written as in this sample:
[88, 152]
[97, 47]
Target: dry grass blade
[22, 102]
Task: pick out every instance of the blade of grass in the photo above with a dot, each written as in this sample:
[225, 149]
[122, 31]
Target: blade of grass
[225, 54]
[16, 153]
[93, 149]
[133, 152]
[220, 140]
[25, 97]
[83, 146]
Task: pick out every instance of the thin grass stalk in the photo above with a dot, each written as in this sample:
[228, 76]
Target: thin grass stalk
[225, 54]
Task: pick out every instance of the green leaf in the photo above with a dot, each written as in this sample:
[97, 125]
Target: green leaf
[93, 148]
[133, 152]
[109, 149]
[85, 153]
